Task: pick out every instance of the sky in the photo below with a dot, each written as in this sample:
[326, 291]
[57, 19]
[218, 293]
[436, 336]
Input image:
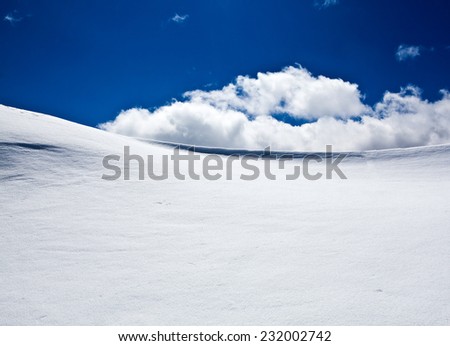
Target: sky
[92, 61]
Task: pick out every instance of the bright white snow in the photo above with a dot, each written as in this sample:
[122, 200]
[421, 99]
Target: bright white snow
[79, 250]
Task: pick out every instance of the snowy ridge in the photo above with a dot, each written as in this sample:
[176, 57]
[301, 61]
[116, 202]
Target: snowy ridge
[79, 250]
[392, 153]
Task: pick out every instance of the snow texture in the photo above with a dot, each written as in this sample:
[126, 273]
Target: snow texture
[78, 250]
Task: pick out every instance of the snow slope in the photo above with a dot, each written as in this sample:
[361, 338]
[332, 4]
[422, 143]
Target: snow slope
[78, 250]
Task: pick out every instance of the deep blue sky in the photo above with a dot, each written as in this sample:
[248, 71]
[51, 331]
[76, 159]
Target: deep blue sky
[87, 60]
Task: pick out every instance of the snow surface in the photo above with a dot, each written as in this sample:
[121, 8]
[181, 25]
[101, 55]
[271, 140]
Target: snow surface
[78, 250]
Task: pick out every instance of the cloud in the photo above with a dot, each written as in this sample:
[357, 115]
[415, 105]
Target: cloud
[407, 52]
[325, 3]
[179, 19]
[12, 18]
[292, 91]
[243, 115]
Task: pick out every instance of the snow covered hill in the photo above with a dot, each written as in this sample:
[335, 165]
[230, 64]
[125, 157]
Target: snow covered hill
[78, 250]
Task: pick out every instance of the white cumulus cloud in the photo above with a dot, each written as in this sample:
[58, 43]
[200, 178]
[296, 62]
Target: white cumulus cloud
[12, 18]
[179, 18]
[242, 115]
[293, 91]
[407, 52]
